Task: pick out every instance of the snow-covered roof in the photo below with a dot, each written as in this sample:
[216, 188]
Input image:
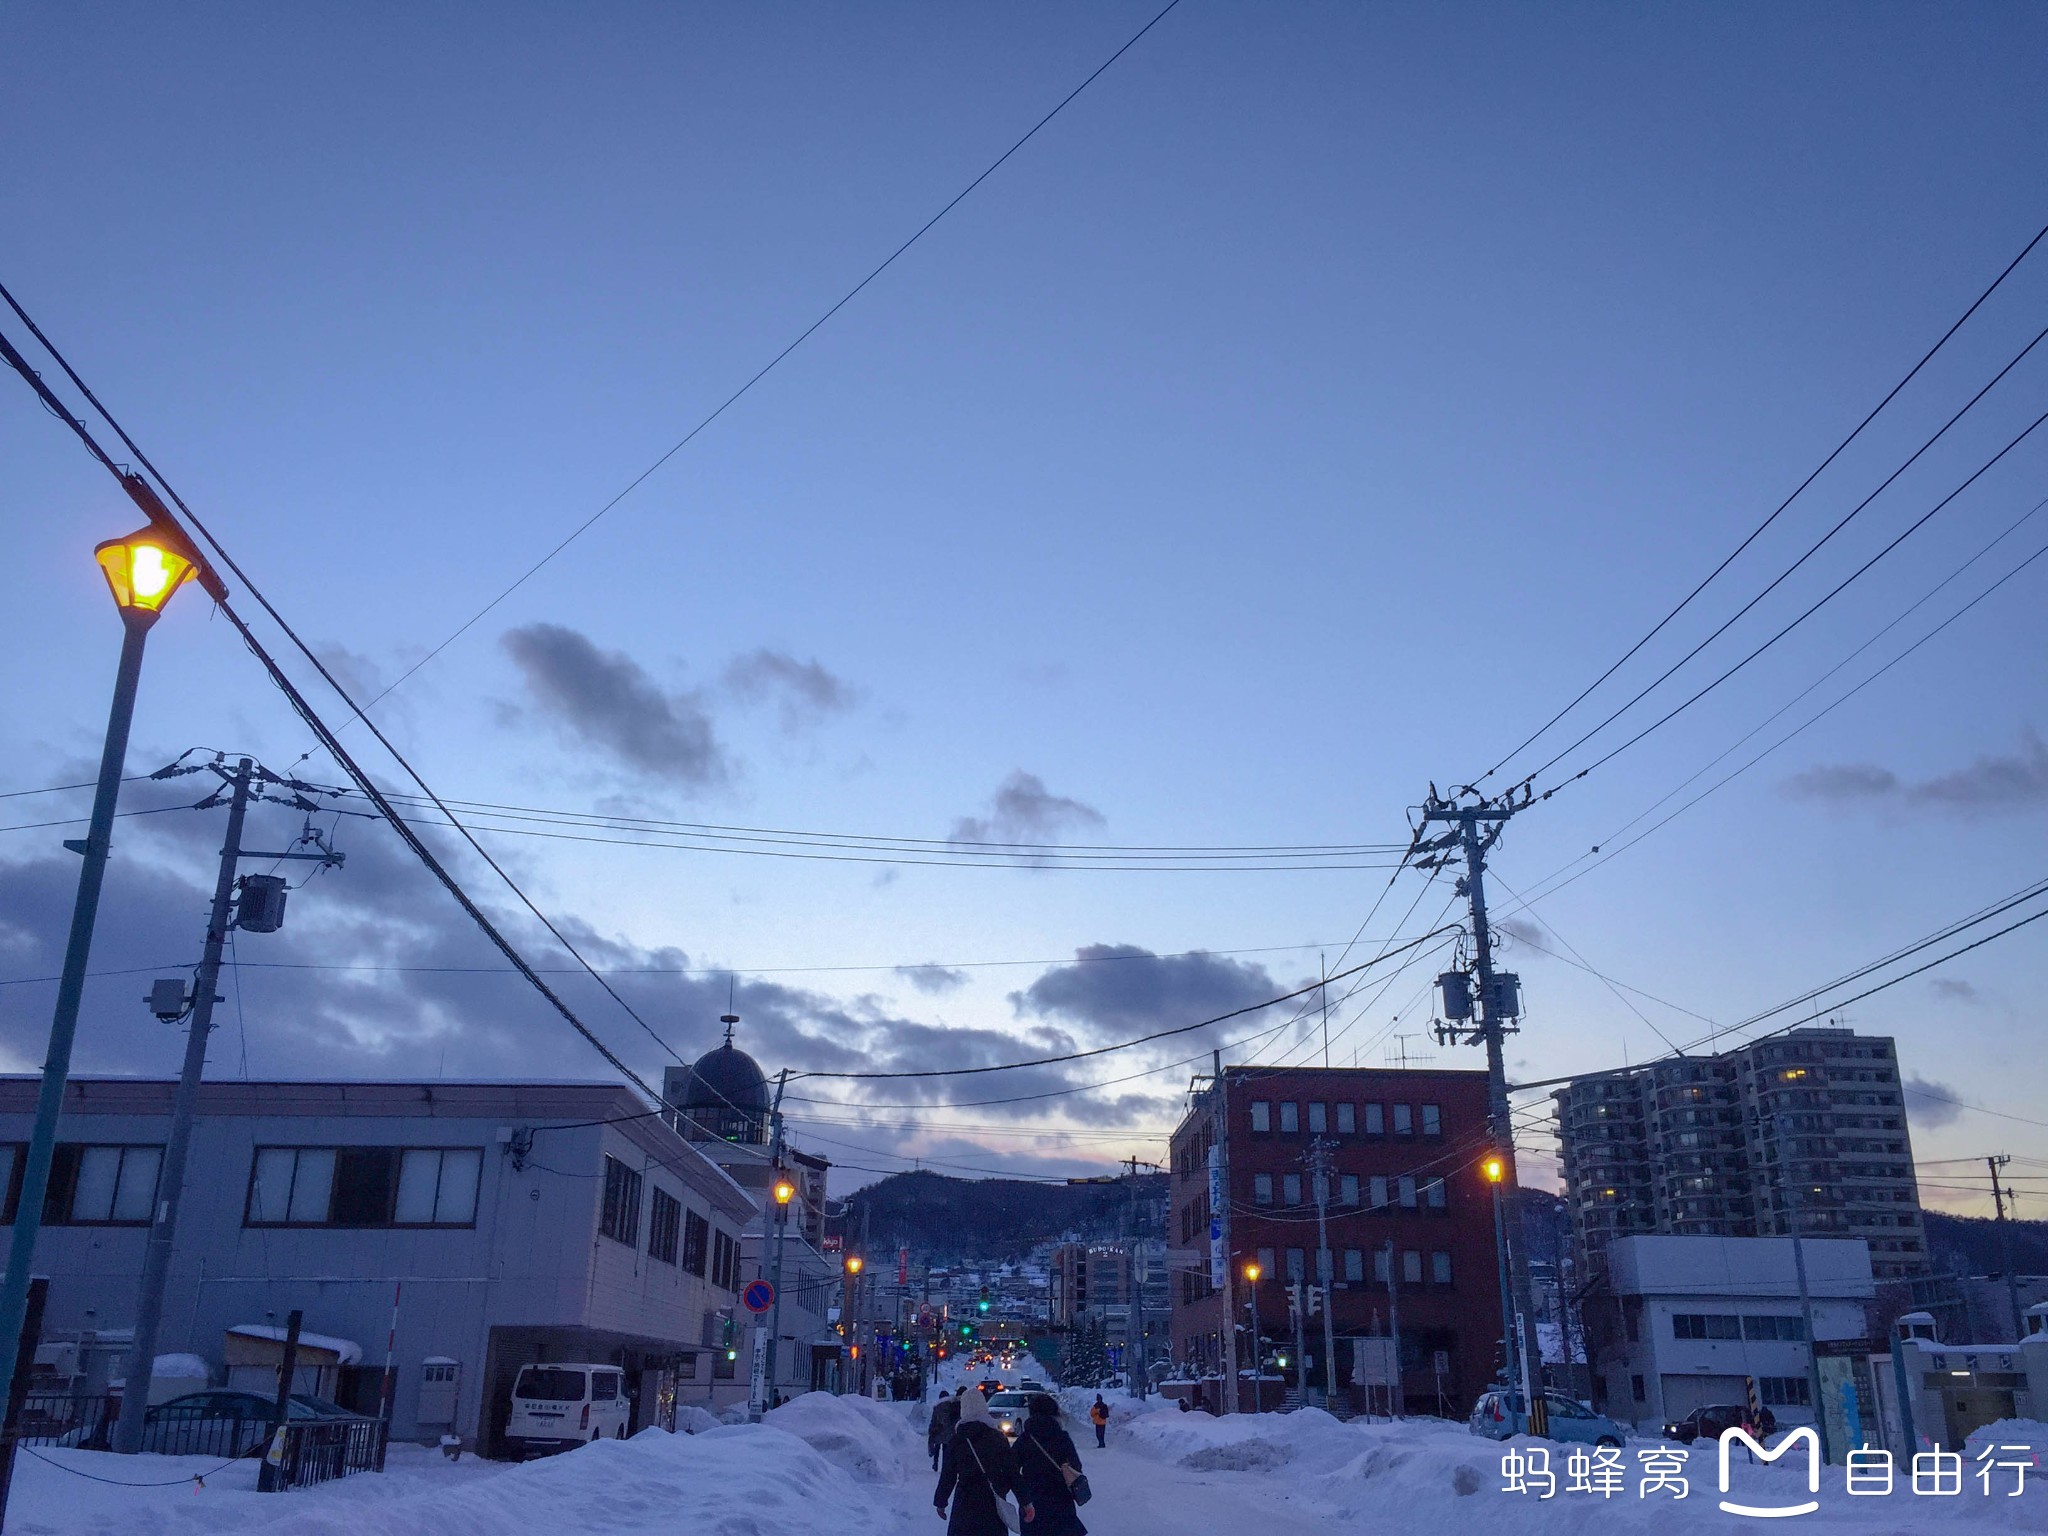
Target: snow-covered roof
[346, 1351]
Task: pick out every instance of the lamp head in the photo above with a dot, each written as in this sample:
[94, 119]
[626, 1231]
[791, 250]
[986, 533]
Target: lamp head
[1494, 1167]
[144, 569]
[785, 1190]
[853, 1264]
[1251, 1273]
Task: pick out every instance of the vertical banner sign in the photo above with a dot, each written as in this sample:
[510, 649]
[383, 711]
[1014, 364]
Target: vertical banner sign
[759, 1392]
[903, 1265]
[1217, 1259]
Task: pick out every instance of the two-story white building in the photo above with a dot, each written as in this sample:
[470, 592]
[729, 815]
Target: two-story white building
[1700, 1315]
[490, 1224]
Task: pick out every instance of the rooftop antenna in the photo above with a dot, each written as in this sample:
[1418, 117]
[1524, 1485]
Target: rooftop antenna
[729, 1018]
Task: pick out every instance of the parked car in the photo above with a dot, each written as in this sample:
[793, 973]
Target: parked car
[558, 1407]
[224, 1422]
[1708, 1423]
[1500, 1413]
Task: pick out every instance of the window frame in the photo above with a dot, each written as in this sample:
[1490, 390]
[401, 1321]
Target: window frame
[76, 1151]
[1261, 1117]
[397, 1153]
[1290, 1117]
[618, 1206]
[664, 1226]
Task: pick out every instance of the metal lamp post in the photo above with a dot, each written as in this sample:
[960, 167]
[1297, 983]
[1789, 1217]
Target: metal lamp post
[143, 570]
[1495, 1168]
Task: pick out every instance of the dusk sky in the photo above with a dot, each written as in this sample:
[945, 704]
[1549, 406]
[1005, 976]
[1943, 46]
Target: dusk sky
[1305, 415]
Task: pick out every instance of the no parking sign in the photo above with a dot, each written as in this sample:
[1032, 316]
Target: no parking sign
[759, 1296]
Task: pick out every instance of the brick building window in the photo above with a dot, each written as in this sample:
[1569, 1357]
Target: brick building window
[1262, 1116]
[1347, 1120]
[1262, 1189]
[1290, 1118]
[620, 1219]
[664, 1226]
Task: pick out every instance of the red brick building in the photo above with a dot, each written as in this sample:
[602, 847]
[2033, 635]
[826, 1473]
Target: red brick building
[1404, 1151]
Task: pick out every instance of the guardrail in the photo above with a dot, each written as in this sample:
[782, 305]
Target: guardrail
[320, 1450]
[313, 1450]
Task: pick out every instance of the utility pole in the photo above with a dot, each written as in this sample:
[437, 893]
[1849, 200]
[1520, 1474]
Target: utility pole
[1472, 828]
[1221, 1258]
[1298, 1293]
[266, 910]
[1134, 1368]
[1326, 1269]
[1820, 1418]
[2012, 1281]
[775, 1210]
[1395, 1402]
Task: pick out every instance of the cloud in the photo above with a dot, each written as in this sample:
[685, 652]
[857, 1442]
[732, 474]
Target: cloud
[933, 979]
[1522, 930]
[1117, 991]
[2017, 781]
[1957, 990]
[1023, 810]
[804, 690]
[1930, 1103]
[605, 699]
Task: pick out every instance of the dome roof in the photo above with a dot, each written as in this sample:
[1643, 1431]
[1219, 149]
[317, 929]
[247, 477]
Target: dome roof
[726, 1079]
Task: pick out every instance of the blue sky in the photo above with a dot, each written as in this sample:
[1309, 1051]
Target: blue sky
[1309, 411]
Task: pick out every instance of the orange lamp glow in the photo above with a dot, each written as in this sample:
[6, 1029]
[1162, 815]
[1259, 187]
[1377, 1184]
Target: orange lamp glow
[853, 1264]
[1251, 1273]
[1494, 1168]
[143, 569]
[784, 1190]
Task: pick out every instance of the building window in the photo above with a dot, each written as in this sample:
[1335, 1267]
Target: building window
[1705, 1325]
[1440, 1269]
[1318, 1118]
[724, 1363]
[1432, 1120]
[620, 1220]
[1791, 1329]
[1411, 1268]
[1375, 1120]
[437, 1187]
[1290, 1118]
[1262, 1115]
[1380, 1271]
[99, 1186]
[1266, 1268]
[363, 1187]
[664, 1226]
[1404, 1120]
[1297, 1264]
[1354, 1265]
[1635, 1387]
[1347, 1188]
[696, 1242]
[1433, 1194]
[1262, 1189]
[1290, 1186]
[725, 1262]
[1347, 1120]
[1784, 1391]
[1408, 1191]
[1379, 1192]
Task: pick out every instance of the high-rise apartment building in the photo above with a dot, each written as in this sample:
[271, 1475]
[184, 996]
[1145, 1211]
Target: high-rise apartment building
[1805, 1128]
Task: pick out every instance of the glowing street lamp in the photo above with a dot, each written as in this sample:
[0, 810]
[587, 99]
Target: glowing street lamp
[785, 1191]
[1495, 1168]
[1251, 1275]
[853, 1264]
[143, 571]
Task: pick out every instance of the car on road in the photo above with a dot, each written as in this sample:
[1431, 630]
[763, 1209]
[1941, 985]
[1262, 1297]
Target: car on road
[1709, 1423]
[1500, 1413]
[991, 1384]
[1010, 1409]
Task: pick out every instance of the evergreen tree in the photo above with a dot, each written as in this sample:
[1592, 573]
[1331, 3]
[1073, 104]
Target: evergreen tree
[1085, 1362]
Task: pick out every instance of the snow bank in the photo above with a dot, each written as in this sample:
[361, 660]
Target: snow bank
[871, 1441]
[755, 1480]
[692, 1419]
[1243, 1442]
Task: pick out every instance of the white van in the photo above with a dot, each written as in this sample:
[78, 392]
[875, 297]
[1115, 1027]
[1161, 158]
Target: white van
[555, 1407]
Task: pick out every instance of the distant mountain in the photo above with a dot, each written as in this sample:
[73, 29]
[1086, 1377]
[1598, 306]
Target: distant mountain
[1969, 1245]
[991, 1221]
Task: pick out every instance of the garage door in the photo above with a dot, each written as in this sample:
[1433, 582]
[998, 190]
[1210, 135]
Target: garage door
[1682, 1394]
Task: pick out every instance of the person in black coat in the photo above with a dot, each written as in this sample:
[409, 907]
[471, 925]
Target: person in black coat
[1042, 1449]
[977, 1469]
[945, 1419]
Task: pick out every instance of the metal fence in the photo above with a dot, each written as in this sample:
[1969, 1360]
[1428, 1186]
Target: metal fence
[320, 1450]
[314, 1450]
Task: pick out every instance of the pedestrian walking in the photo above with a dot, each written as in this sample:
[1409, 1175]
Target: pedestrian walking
[945, 1419]
[1048, 1473]
[1098, 1415]
[977, 1473]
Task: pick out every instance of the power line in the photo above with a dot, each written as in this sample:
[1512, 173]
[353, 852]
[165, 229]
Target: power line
[770, 366]
[1912, 528]
[1757, 532]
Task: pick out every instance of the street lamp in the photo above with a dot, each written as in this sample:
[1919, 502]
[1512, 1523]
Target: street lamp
[1251, 1280]
[1495, 1167]
[143, 571]
[785, 1191]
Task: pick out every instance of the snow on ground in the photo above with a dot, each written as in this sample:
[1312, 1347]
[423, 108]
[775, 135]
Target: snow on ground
[857, 1468]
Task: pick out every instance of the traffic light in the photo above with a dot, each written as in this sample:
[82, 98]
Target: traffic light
[1294, 1298]
[967, 1330]
[1315, 1300]
[982, 1305]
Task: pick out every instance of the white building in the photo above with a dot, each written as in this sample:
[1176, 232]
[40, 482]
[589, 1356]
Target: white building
[1699, 1315]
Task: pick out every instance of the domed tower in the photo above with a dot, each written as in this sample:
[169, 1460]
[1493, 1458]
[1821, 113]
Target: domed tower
[722, 1097]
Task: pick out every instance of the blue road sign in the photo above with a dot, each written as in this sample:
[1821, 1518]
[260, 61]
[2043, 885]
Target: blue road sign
[759, 1296]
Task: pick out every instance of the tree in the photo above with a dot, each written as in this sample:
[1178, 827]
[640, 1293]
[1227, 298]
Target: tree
[1085, 1361]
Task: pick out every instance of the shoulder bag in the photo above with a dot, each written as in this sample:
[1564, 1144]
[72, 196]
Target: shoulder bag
[1077, 1481]
[1005, 1509]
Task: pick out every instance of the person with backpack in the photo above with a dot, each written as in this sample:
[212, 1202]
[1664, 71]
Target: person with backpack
[977, 1473]
[1049, 1476]
[945, 1419]
[1098, 1415]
